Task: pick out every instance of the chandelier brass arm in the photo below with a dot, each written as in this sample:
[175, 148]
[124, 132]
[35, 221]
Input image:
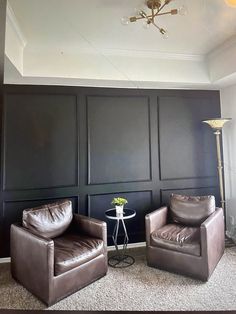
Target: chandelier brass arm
[171, 12]
[150, 20]
[136, 18]
[153, 3]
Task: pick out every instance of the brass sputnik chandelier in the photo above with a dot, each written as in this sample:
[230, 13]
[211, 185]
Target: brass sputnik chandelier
[156, 8]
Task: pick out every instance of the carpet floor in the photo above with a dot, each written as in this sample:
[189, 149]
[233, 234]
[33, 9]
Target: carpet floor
[137, 288]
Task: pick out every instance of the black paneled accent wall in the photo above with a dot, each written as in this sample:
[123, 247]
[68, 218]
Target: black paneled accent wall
[91, 144]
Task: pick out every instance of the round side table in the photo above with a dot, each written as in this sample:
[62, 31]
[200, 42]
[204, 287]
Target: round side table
[120, 260]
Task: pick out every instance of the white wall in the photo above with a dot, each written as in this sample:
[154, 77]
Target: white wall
[14, 49]
[15, 41]
[221, 61]
[228, 109]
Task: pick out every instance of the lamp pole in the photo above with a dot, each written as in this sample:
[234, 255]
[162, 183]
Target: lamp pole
[220, 169]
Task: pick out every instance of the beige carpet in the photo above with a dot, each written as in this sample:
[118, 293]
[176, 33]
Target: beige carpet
[137, 288]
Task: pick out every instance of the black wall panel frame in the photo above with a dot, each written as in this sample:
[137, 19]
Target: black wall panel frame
[76, 148]
[89, 181]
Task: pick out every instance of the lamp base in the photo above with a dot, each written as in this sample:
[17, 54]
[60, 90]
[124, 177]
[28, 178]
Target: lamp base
[229, 242]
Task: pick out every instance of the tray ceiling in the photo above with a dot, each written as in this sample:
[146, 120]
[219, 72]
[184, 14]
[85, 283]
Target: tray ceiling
[89, 25]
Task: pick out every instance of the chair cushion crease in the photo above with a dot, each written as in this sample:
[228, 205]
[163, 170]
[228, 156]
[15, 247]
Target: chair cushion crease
[178, 238]
[72, 250]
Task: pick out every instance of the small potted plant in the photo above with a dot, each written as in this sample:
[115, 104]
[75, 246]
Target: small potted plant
[119, 203]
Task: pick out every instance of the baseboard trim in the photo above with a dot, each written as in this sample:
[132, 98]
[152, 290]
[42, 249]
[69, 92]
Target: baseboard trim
[109, 248]
[130, 246]
[5, 260]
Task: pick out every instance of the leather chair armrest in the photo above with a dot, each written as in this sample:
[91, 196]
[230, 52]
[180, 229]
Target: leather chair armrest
[92, 227]
[155, 220]
[32, 260]
[213, 238]
[218, 215]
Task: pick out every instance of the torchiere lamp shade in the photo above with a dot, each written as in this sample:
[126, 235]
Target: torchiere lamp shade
[218, 123]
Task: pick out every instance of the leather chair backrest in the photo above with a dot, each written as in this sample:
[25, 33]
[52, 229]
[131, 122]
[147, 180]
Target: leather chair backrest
[49, 220]
[191, 210]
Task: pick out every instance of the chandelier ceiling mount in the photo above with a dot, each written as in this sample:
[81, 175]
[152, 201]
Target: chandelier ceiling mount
[156, 4]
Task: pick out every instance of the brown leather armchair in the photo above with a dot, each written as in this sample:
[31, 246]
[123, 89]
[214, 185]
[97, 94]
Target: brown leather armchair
[187, 238]
[55, 253]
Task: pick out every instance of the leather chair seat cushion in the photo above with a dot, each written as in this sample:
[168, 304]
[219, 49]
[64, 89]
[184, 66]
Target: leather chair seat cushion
[72, 250]
[191, 210]
[49, 220]
[178, 238]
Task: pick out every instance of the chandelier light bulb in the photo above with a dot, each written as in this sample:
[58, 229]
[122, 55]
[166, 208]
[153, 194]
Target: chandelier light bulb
[124, 20]
[183, 10]
[143, 14]
[231, 3]
[165, 36]
[164, 33]
[138, 11]
[146, 24]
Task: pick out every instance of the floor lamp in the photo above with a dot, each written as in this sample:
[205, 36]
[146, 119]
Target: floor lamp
[217, 126]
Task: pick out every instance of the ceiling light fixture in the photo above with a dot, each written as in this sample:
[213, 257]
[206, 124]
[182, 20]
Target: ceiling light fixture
[156, 7]
[231, 3]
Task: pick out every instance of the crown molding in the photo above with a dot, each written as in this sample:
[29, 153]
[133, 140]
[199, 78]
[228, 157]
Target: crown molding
[133, 53]
[152, 54]
[12, 20]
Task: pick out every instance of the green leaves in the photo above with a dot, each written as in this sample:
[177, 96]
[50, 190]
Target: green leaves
[119, 201]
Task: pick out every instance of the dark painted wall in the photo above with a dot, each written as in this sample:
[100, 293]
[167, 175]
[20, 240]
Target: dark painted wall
[90, 144]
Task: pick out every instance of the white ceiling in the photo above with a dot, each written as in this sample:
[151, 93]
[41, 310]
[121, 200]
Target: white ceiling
[82, 25]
